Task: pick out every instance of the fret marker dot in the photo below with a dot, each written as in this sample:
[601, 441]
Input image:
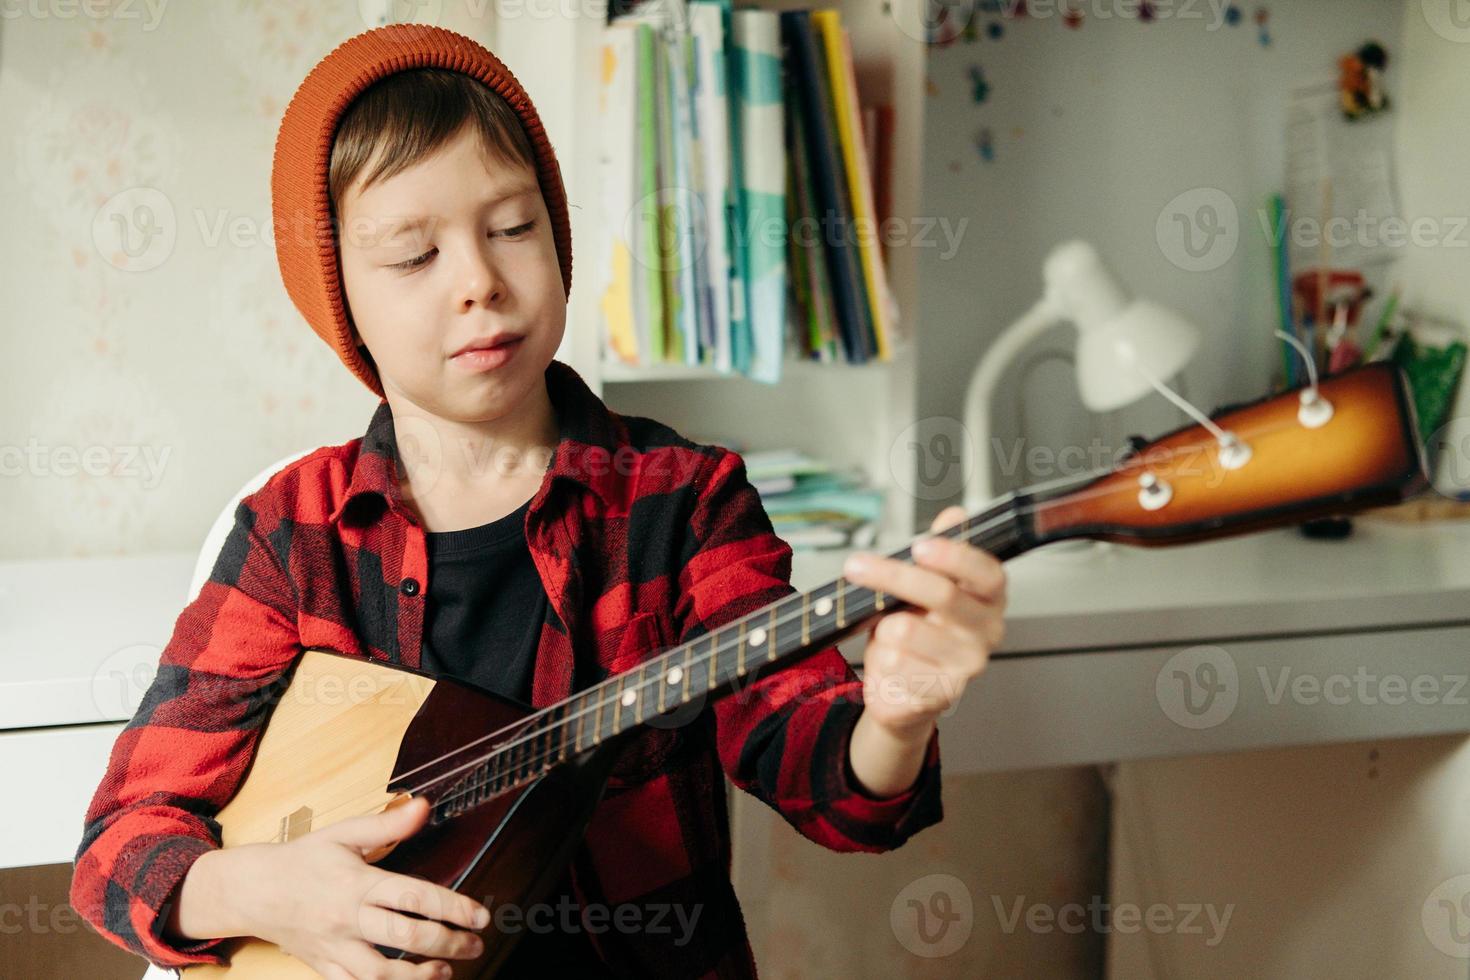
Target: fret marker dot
[675, 675]
[824, 606]
[629, 697]
[757, 637]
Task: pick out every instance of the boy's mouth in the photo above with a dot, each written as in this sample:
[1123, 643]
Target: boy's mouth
[477, 357]
[489, 343]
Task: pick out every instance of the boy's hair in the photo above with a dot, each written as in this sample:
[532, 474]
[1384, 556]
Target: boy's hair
[343, 127]
[399, 120]
[408, 116]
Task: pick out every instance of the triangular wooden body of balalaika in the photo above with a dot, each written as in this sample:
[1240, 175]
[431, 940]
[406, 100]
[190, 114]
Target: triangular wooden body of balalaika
[343, 730]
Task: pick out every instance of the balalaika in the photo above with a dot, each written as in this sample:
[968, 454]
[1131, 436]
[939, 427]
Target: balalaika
[512, 789]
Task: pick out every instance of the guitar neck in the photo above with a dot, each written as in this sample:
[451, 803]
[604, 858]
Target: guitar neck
[1349, 443]
[712, 665]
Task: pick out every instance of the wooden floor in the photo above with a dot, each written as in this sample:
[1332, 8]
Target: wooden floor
[43, 938]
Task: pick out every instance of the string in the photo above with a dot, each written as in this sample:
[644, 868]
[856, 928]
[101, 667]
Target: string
[504, 747]
[998, 515]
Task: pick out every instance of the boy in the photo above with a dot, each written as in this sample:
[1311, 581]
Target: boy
[592, 542]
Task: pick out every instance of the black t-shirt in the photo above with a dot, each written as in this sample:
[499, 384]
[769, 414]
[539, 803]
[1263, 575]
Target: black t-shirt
[483, 617]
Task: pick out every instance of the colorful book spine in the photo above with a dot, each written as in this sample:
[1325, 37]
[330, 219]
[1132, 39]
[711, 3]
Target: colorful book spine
[648, 220]
[707, 20]
[763, 185]
[617, 155]
[812, 80]
[838, 46]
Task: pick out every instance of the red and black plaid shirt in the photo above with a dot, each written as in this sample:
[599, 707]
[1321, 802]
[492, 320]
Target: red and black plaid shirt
[643, 540]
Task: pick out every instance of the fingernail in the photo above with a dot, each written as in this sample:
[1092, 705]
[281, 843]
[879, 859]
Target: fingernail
[856, 565]
[926, 548]
[482, 918]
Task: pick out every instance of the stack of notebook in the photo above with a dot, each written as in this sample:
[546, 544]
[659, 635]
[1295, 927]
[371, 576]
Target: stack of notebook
[812, 505]
[735, 176]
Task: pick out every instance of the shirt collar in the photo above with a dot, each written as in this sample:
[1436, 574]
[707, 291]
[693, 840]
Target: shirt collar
[585, 453]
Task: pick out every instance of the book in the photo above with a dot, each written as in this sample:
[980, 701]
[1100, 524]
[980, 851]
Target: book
[617, 159]
[811, 78]
[758, 98]
[860, 185]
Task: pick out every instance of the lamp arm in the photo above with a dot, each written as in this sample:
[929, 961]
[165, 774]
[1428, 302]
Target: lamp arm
[979, 487]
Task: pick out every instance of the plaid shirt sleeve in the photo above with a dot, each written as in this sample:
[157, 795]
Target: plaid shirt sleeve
[183, 754]
[784, 738]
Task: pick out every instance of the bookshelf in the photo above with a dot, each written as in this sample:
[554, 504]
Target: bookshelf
[848, 413]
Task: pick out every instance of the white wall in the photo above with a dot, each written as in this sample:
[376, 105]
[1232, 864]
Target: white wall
[1096, 132]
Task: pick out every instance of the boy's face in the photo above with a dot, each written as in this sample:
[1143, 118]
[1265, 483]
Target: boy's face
[482, 262]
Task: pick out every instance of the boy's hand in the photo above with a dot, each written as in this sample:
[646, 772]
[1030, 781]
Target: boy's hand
[919, 660]
[318, 899]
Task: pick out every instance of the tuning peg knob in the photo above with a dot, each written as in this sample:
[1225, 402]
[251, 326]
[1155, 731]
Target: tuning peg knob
[1153, 493]
[1314, 411]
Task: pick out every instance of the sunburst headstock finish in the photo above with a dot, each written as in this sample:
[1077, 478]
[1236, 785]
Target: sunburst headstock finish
[1352, 444]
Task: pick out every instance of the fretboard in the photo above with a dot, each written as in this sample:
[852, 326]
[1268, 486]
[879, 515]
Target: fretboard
[702, 669]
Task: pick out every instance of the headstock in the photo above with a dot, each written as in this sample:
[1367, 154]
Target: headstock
[1294, 456]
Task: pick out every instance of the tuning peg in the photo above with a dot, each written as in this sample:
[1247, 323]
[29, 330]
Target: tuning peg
[1315, 411]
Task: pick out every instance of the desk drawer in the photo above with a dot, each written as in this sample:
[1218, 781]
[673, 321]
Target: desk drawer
[1068, 709]
[52, 772]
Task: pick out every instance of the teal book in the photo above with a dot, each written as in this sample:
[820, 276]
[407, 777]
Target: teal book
[762, 187]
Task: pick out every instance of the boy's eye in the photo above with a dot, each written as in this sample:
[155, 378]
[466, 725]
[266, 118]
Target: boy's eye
[516, 231]
[414, 263]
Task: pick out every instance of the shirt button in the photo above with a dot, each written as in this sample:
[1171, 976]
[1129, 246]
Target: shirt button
[409, 586]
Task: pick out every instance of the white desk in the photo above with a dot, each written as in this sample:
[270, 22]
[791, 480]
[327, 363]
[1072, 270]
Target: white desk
[1301, 629]
[78, 639]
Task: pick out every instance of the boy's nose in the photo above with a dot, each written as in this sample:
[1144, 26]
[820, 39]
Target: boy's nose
[481, 281]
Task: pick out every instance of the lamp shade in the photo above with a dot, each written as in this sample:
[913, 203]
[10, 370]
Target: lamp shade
[1122, 342]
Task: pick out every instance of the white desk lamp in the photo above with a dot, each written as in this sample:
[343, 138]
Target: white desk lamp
[1125, 347]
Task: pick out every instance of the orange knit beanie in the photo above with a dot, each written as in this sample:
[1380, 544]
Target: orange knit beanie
[305, 239]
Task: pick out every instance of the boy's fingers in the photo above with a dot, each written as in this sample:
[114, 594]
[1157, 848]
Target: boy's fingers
[376, 829]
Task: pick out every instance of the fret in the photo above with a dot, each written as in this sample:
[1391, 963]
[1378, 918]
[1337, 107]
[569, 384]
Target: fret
[840, 593]
[771, 640]
[714, 660]
[597, 720]
[740, 651]
[688, 666]
[617, 707]
[581, 717]
[639, 689]
[662, 683]
[879, 600]
[806, 626]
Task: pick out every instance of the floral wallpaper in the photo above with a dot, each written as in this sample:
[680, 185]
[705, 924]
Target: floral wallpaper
[153, 359]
